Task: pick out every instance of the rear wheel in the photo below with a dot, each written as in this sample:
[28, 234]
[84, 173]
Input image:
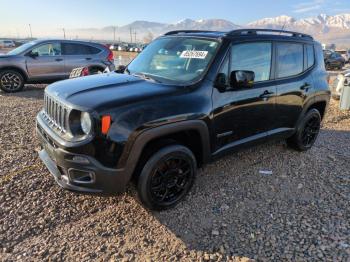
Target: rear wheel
[11, 81]
[167, 177]
[307, 131]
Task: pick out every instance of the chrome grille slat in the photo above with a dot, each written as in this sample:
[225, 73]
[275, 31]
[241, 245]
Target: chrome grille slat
[55, 113]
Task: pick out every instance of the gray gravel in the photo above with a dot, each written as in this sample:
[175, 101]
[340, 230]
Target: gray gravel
[299, 212]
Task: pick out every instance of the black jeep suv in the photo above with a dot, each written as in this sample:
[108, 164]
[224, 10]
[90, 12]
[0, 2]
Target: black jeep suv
[188, 98]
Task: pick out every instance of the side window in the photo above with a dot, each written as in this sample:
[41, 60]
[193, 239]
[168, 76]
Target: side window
[48, 50]
[93, 50]
[290, 59]
[254, 57]
[78, 49]
[310, 54]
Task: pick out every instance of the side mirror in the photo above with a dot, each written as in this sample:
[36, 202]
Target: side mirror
[33, 54]
[120, 69]
[242, 79]
[221, 82]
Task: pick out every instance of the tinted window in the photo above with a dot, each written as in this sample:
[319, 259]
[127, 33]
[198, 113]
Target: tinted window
[290, 59]
[48, 49]
[254, 57]
[79, 49]
[310, 55]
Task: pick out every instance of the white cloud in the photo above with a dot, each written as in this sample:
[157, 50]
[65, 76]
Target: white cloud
[309, 6]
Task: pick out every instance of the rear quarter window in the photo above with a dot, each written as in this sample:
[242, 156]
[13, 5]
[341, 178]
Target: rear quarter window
[290, 59]
[79, 49]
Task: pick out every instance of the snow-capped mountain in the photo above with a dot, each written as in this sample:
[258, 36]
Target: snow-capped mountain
[203, 24]
[326, 28]
[323, 20]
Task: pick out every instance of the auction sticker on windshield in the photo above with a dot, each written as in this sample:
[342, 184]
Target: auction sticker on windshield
[194, 54]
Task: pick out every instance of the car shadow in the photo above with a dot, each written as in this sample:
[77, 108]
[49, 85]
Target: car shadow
[236, 209]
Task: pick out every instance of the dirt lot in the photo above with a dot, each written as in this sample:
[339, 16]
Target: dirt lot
[301, 212]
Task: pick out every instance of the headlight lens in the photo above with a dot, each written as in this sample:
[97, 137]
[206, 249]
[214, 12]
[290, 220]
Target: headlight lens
[85, 122]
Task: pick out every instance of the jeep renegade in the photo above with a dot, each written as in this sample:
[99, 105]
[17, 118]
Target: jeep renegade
[188, 98]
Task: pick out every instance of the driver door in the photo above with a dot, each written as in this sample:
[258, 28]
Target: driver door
[245, 114]
[45, 62]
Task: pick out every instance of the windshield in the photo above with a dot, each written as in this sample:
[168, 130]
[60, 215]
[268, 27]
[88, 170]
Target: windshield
[21, 48]
[174, 60]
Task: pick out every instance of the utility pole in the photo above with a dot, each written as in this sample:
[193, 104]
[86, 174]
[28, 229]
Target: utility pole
[114, 28]
[64, 33]
[131, 34]
[30, 29]
[135, 36]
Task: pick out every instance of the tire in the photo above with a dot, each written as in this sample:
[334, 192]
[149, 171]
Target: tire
[11, 81]
[167, 177]
[307, 131]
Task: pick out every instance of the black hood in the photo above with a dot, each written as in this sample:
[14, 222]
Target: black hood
[100, 92]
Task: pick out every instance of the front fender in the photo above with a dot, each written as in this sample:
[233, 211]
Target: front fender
[135, 145]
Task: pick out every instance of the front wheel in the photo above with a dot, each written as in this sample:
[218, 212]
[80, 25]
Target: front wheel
[167, 177]
[11, 81]
[307, 131]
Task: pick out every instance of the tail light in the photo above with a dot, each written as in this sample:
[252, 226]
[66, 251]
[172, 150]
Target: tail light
[85, 71]
[110, 56]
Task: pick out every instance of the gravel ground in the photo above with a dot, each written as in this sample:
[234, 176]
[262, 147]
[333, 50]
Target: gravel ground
[300, 212]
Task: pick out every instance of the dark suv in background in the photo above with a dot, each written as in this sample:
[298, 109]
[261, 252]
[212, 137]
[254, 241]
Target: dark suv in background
[44, 61]
[188, 98]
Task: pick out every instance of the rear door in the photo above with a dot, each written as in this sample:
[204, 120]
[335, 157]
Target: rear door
[48, 64]
[293, 80]
[79, 55]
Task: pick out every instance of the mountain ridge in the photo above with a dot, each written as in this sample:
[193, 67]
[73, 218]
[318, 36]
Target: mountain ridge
[325, 28]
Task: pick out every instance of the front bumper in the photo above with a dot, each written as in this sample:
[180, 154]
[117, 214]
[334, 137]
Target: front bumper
[80, 172]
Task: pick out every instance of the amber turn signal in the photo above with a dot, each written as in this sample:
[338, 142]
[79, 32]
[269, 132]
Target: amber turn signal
[106, 124]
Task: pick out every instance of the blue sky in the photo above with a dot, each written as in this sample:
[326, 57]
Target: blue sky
[45, 15]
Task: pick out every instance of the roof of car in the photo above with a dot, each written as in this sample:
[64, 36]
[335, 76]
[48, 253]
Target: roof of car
[62, 40]
[243, 33]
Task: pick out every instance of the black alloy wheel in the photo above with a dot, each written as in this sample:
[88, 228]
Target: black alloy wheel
[306, 132]
[311, 130]
[11, 81]
[167, 177]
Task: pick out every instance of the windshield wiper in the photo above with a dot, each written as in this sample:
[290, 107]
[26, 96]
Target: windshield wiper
[146, 77]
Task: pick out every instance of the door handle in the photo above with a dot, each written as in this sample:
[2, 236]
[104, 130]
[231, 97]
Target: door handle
[58, 59]
[88, 58]
[305, 86]
[266, 94]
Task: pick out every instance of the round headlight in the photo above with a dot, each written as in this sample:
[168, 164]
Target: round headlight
[85, 122]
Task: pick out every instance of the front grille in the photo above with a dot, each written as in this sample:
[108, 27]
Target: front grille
[55, 113]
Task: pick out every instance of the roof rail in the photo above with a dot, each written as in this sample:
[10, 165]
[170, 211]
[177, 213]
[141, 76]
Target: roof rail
[255, 32]
[175, 32]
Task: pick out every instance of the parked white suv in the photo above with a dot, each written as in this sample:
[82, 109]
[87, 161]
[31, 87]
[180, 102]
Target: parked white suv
[7, 43]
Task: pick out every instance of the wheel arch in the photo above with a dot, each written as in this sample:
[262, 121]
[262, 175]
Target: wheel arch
[18, 69]
[188, 133]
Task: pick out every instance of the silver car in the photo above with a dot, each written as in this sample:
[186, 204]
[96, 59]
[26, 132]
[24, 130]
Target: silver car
[45, 61]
